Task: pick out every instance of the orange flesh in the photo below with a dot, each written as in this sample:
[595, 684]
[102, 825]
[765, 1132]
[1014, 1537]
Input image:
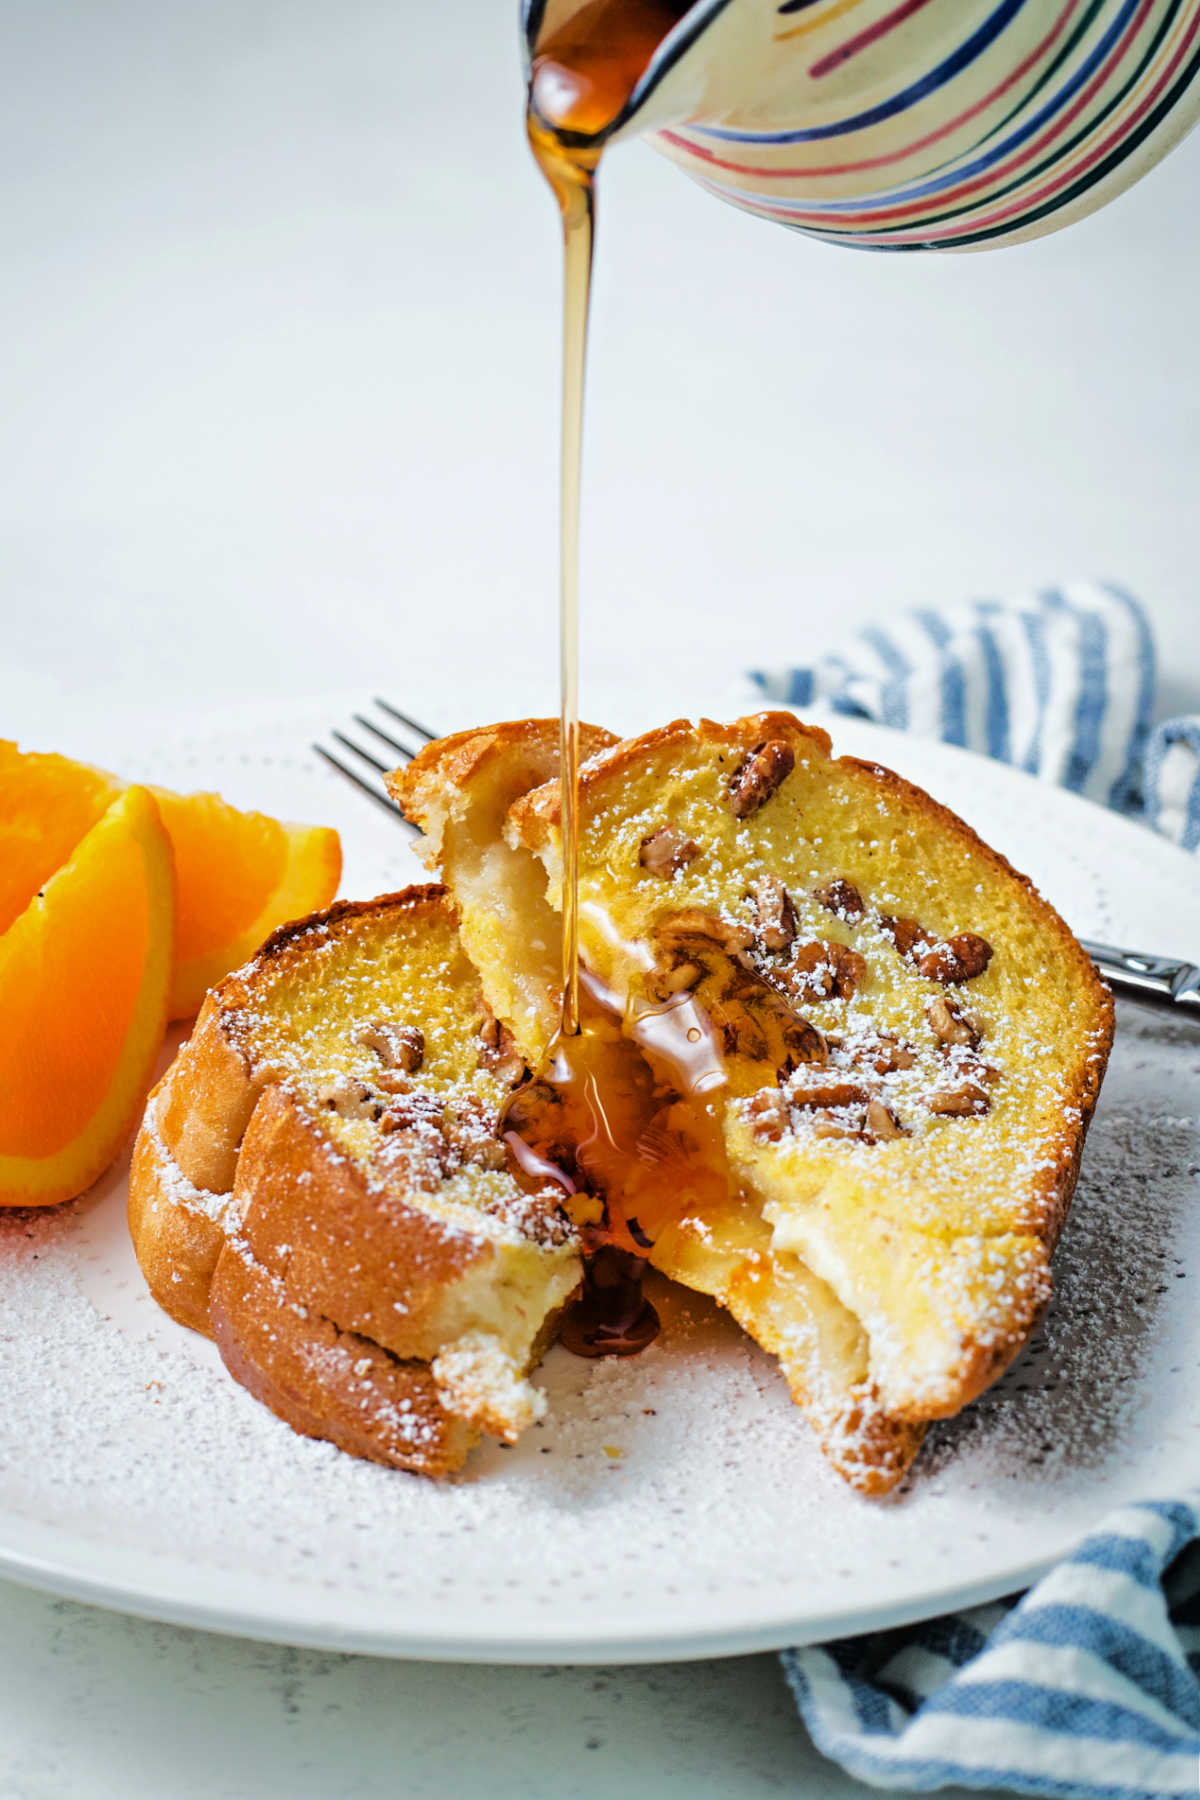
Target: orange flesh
[47, 804]
[228, 864]
[84, 973]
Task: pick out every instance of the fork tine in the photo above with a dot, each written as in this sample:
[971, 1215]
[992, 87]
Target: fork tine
[381, 768]
[385, 737]
[403, 719]
[360, 781]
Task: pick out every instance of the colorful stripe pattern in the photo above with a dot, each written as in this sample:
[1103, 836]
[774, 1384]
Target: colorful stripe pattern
[947, 124]
[1086, 1690]
[1060, 683]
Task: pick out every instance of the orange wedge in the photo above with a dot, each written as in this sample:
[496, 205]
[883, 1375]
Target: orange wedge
[47, 804]
[238, 874]
[84, 974]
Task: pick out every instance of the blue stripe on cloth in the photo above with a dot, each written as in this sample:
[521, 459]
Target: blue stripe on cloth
[1137, 1560]
[1143, 1664]
[1180, 1515]
[954, 690]
[1091, 695]
[1126, 789]
[894, 697]
[1173, 794]
[1035, 631]
[1055, 1709]
[997, 695]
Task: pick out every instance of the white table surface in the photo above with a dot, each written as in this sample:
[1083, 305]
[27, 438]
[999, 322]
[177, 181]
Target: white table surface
[280, 330]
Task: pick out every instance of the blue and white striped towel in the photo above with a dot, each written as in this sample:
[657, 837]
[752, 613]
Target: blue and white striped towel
[1061, 683]
[1087, 1688]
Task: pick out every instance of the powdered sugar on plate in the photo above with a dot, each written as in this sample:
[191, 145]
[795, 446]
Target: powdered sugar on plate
[673, 1491]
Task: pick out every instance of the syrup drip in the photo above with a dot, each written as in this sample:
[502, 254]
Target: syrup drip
[597, 1118]
[619, 1118]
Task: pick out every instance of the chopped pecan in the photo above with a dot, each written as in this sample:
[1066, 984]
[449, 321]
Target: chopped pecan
[757, 778]
[667, 850]
[774, 913]
[950, 1024]
[826, 1094]
[954, 959]
[841, 897]
[393, 1081]
[749, 1011]
[692, 935]
[768, 1114]
[820, 971]
[741, 1035]
[683, 976]
[905, 934]
[414, 1162]
[802, 1041]
[349, 1098]
[967, 1099]
[973, 1067]
[499, 1051]
[396, 1046]
[470, 1133]
[885, 1053]
[882, 1121]
[532, 1112]
[834, 1125]
[411, 1111]
[538, 1216]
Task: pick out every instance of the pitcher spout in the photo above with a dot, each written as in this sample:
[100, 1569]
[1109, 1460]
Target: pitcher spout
[599, 70]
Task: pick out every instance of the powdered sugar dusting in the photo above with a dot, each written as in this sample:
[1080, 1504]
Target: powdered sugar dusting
[678, 1485]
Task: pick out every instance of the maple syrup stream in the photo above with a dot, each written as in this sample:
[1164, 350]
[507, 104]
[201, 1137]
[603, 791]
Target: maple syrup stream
[592, 1119]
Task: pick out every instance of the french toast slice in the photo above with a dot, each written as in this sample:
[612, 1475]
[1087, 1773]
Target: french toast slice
[318, 1185]
[912, 1041]
[724, 1251]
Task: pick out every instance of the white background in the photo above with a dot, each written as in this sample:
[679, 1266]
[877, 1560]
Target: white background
[280, 337]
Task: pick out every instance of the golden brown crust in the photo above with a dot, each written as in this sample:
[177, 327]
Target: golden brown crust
[327, 1383]
[871, 1449]
[186, 1153]
[354, 1251]
[177, 1241]
[448, 766]
[1054, 1190]
[536, 814]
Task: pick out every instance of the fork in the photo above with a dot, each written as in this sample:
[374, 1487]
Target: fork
[1158, 980]
[372, 785]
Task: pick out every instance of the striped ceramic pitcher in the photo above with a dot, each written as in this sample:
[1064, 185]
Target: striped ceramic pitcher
[916, 124]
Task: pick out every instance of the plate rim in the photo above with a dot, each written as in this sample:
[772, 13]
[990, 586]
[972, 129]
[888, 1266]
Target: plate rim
[685, 1644]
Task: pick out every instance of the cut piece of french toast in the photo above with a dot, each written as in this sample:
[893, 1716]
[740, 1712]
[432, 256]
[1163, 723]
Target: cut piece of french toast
[723, 1249]
[912, 1043]
[459, 790]
[318, 1185]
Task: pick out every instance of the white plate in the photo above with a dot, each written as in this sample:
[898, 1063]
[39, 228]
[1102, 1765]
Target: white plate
[671, 1506]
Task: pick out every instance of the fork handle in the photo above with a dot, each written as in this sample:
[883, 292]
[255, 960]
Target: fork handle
[1161, 980]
